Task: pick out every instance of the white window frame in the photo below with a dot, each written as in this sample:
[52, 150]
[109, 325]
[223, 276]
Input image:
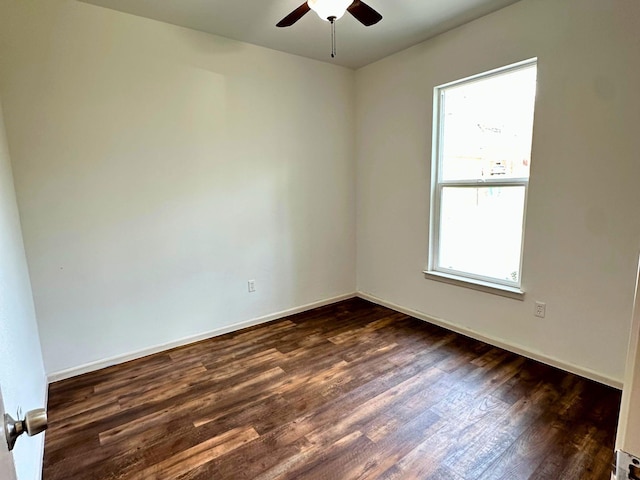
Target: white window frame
[434, 271]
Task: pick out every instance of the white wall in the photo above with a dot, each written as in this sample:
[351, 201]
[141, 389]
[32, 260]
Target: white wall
[582, 232]
[22, 379]
[158, 169]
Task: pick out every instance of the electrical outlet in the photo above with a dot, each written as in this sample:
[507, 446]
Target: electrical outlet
[251, 286]
[541, 309]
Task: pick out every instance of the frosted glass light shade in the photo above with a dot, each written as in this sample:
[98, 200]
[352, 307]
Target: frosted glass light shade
[329, 8]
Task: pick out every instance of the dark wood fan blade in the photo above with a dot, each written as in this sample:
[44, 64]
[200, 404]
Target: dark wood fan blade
[294, 16]
[364, 13]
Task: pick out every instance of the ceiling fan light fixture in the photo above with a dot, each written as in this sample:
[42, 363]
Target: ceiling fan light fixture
[329, 8]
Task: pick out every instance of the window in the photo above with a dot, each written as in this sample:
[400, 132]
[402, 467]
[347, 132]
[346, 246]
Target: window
[483, 129]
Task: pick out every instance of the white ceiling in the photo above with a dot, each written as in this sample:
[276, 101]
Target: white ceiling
[404, 23]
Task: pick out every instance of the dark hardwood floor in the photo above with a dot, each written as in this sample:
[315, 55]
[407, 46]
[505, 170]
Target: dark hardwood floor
[348, 391]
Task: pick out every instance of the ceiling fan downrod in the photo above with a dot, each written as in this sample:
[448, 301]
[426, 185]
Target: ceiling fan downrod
[332, 21]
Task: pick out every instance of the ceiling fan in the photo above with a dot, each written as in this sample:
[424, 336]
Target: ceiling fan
[332, 10]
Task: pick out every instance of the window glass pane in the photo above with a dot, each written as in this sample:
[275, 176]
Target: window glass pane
[481, 231]
[486, 126]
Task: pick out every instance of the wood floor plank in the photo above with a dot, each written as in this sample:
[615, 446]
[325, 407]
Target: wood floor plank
[198, 455]
[346, 391]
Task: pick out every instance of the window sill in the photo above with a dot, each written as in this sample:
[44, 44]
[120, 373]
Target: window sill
[487, 287]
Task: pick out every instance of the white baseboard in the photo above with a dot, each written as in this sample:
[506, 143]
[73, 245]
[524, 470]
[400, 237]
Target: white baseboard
[108, 362]
[520, 350]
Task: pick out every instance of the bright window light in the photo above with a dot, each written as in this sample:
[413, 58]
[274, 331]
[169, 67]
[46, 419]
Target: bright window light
[482, 134]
